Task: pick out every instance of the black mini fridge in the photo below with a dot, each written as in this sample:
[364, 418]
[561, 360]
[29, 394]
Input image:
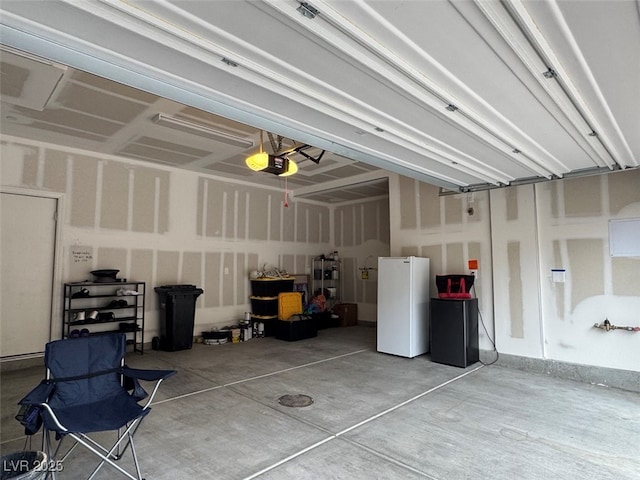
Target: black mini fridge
[454, 331]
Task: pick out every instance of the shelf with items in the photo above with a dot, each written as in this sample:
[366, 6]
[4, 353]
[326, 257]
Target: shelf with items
[264, 301]
[105, 306]
[301, 284]
[326, 280]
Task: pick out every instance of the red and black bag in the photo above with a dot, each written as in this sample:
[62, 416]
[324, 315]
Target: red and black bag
[454, 286]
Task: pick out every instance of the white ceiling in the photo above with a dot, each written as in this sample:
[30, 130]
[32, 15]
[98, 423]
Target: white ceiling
[459, 94]
[49, 102]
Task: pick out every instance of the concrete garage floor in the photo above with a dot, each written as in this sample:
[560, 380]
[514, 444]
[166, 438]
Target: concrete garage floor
[373, 416]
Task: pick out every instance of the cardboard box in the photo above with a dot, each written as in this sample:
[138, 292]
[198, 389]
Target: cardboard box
[347, 314]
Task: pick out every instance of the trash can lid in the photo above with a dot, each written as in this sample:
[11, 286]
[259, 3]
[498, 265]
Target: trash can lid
[178, 290]
[178, 287]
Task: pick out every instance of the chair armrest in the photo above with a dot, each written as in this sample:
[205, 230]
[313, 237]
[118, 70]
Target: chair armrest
[38, 395]
[147, 375]
[32, 406]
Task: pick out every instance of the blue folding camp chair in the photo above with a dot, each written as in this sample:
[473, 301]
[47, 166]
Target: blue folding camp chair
[89, 389]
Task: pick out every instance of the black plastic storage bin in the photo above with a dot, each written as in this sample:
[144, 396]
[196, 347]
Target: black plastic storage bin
[325, 320]
[298, 329]
[270, 287]
[264, 306]
[177, 315]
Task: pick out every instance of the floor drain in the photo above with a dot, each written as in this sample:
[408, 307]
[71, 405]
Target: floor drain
[298, 400]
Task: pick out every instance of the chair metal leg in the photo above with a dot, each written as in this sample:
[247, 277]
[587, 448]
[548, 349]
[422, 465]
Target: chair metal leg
[67, 453]
[47, 450]
[135, 456]
[46, 442]
[113, 392]
[107, 458]
[53, 455]
[107, 455]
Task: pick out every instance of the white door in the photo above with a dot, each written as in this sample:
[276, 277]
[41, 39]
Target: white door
[27, 251]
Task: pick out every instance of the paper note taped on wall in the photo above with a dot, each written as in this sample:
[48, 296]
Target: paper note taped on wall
[81, 256]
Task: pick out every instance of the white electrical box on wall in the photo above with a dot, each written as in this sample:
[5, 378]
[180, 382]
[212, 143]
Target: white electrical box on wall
[624, 237]
[558, 275]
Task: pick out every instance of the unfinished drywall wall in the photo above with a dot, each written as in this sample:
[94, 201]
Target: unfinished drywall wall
[563, 225]
[519, 234]
[574, 236]
[361, 235]
[516, 271]
[164, 226]
[449, 230]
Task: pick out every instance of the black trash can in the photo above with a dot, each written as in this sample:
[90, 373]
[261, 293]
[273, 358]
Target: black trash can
[177, 315]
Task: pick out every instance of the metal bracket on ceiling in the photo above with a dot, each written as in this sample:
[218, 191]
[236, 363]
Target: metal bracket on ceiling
[307, 10]
[301, 150]
[275, 146]
[316, 160]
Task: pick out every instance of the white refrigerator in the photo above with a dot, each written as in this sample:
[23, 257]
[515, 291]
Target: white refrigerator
[403, 306]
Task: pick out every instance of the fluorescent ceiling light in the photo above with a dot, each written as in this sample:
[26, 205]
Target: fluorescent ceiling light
[201, 130]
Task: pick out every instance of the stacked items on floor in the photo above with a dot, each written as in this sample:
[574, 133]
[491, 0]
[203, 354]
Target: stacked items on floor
[347, 314]
[264, 301]
[292, 324]
[317, 308]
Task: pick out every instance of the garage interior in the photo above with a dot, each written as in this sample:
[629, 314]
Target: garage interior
[512, 146]
[373, 416]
